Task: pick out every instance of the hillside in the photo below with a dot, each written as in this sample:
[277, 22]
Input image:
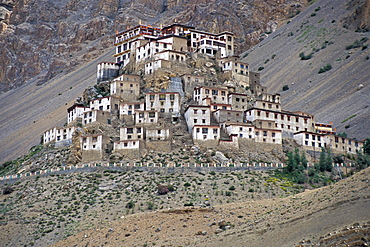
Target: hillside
[331, 215]
[115, 207]
[325, 30]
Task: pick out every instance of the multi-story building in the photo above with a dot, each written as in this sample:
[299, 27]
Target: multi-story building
[206, 133]
[76, 111]
[340, 144]
[285, 121]
[94, 147]
[95, 116]
[216, 94]
[324, 128]
[197, 115]
[164, 102]
[132, 133]
[128, 41]
[239, 102]
[127, 87]
[146, 117]
[310, 140]
[212, 44]
[222, 116]
[60, 136]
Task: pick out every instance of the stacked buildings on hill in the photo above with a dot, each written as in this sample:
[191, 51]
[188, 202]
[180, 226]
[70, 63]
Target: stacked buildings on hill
[235, 113]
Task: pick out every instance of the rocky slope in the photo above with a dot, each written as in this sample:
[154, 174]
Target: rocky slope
[334, 215]
[41, 39]
[327, 32]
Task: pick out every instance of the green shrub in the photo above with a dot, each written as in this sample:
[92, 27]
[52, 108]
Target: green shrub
[357, 43]
[327, 67]
[261, 68]
[304, 57]
[130, 205]
[285, 87]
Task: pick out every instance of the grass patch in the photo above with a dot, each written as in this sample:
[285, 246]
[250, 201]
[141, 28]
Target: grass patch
[345, 120]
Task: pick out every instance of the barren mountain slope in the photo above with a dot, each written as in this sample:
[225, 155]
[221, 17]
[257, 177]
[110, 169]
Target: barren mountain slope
[30, 110]
[326, 215]
[334, 95]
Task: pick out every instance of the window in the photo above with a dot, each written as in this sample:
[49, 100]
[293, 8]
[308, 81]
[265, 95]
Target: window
[205, 130]
[130, 130]
[273, 134]
[257, 133]
[297, 119]
[161, 110]
[151, 97]
[198, 130]
[172, 97]
[95, 139]
[306, 143]
[162, 97]
[203, 111]
[151, 114]
[264, 133]
[313, 137]
[207, 91]
[258, 113]
[195, 111]
[203, 121]
[215, 131]
[138, 130]
[237, 99]
[214, 92]
[195, 120]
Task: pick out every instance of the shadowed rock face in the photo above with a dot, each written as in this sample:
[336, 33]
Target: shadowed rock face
[41, 39]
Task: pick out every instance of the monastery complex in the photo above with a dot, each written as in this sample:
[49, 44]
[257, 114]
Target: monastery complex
[177, 86]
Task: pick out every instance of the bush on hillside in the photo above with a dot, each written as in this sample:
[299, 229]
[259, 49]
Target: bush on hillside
[327, 67]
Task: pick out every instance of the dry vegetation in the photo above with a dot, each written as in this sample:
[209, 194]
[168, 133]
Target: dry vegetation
[42, 210]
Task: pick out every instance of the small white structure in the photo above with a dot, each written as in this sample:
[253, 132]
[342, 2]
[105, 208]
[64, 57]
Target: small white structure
[157, 134]
[131, 133]
[146, 117]
[241, 130]
[129, 108]
[206, 133]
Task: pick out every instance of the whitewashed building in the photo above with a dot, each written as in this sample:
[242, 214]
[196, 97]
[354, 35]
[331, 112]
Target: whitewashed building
[164, 102]
[146, 117]
[206, 133]
[217, 95]
[76, 111]
[197, 115]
